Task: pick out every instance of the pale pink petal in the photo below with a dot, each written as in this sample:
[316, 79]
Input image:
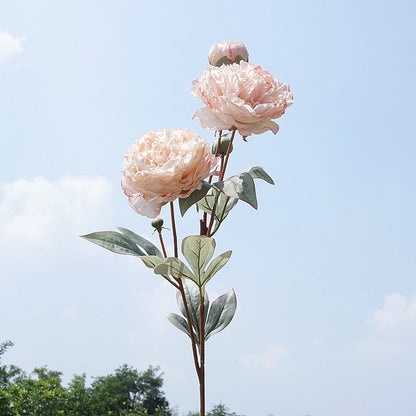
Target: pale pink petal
[209, 120]
[143, 207]
[257, 128]
[240, 95]
[163, 165]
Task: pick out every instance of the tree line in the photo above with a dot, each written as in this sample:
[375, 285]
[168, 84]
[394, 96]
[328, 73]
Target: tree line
[126, 392]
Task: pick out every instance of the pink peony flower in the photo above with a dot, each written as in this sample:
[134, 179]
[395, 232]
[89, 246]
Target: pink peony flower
[227, 53]
[243, 96]
[163, 165]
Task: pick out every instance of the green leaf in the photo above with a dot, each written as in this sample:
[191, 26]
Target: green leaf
[192, 296]
[216, 265]
[115, 242]
[240, 186]
[179, 322]
[258, 172]
[172, 266]
[198, 251]
[198, 194]
[146, 245]
[224, 205]
[151, 261]
[221, 313]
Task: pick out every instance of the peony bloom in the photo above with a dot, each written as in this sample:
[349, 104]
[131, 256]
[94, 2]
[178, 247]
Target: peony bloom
[163, 165]
[227, 53]
[242, 96]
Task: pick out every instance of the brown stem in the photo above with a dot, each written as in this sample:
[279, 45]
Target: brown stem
[182, 292]
[175, 236]
[201, 353]
[227, 156]
[190, 329]
[211, 221]
[224, 163]
[162, 244]
[203, 222]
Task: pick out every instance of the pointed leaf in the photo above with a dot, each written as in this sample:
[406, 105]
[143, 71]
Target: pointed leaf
[240, 186]
[192, 295]
[258, 172]
[179, 322]
[115, 242]
[216, 265]
[172, 266]
[198, 251]
[146, 245]
[221, 313]
[151, 261]
[198, 194]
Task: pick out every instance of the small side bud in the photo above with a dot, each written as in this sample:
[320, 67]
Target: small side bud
[227, 53]
[225, 142]
[157, 224]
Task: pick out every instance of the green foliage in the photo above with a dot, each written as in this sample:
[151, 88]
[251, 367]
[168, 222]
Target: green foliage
[197, 195]
[40, 394]
[126, 392]
[221, 313]
[146, 245]
[217, 316]
[198, 251]
[127, 242]
[218, 410]
[219, 203]
[241, 186]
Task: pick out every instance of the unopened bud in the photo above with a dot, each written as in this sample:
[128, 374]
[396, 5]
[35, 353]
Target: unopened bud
[157, 224]
[225, 142]
[226, 53]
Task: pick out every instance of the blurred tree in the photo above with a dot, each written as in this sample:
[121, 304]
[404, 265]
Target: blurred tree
[130, 392]
[42, 394]
[127, 392]
[79, 397]
[218, 410]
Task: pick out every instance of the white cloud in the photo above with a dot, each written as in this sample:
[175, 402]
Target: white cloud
[397, 313]
[269, 358]
[392, 330]
[9, 46]
[38, 215]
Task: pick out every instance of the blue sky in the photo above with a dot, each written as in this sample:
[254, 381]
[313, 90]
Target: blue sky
[324, 271]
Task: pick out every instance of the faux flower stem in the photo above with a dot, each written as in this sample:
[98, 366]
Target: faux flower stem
[203, 222]
[227, 155]
[211, 221]
[201, 353]
[162, 244]
[175, 235]
[199, 364]
[190, 329]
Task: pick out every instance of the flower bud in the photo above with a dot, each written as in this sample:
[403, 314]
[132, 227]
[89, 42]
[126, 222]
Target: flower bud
[226, 53]
[157, 224]
[225, 141]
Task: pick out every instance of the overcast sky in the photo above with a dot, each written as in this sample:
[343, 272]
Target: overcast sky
[324, 271]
